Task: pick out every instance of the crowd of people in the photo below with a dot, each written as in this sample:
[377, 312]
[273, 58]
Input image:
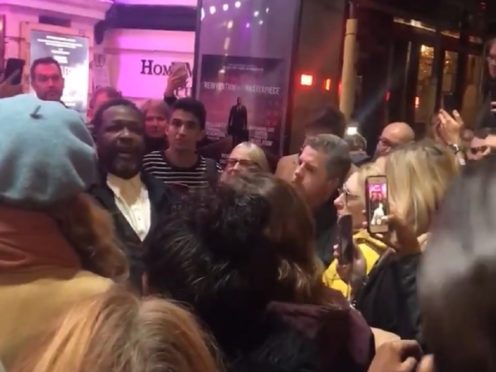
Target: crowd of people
[124, 247]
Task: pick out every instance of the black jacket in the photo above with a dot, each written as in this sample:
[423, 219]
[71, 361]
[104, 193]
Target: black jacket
[485, 118]
[388, 300]
[162, 200]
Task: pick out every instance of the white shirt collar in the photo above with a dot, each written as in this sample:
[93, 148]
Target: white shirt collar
[120, 185]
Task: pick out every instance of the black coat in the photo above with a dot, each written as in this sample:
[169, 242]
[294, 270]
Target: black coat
[485, 118]
[162, 200]
[388, 300]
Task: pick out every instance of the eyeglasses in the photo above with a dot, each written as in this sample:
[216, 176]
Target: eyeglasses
[347, 194]
[244, 163]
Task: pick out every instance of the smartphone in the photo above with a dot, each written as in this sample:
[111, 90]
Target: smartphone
[377, 204]
[179, 69]
[345, 239]
[13, 65]
[449, 103]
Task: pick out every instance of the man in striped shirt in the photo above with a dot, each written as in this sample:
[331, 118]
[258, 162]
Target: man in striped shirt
[180, 165]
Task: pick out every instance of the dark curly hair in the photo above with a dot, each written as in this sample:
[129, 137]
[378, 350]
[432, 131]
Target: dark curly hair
[211, 253]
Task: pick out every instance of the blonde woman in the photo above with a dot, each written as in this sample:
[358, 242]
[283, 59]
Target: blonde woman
[246, 156]
[418, 174]
[118, 332]
[157, 115]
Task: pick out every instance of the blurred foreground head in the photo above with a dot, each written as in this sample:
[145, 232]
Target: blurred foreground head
[118, 332]
[458, 275]
[236, 250]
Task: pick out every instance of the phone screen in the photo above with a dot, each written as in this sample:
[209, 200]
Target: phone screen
[377, 204]
[12, 66]
[449, 103]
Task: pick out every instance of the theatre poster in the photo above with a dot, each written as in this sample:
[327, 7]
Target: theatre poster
[259, 82]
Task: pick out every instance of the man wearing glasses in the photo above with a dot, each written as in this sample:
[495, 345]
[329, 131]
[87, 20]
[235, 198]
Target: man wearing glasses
[394, 135]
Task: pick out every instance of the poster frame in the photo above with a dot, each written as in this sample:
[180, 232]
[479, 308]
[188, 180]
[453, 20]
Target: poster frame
[286, 124]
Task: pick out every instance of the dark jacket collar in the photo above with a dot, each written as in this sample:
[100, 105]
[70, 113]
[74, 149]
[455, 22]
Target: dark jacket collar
[161, 196]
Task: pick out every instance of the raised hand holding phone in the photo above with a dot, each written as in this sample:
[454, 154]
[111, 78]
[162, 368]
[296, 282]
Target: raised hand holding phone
[177, 78]
[8, 89]
[450, 127]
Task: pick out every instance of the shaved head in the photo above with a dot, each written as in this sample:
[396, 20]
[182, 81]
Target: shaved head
[394, 135]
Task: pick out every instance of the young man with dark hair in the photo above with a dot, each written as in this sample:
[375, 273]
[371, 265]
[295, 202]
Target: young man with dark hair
[180, 165]
[323, 166]
[327, 121]
[46, 79]
[133, 198]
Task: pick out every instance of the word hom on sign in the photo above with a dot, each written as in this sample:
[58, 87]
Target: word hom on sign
[149, 67]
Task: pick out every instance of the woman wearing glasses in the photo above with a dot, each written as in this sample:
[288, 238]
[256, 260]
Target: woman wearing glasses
[351, 201]
[245, 157]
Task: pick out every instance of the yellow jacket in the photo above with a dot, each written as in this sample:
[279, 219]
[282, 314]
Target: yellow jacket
[371, 249]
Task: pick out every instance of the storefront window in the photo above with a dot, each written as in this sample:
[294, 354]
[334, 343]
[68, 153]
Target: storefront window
[449, 71]
[472, 96]
[426, 86]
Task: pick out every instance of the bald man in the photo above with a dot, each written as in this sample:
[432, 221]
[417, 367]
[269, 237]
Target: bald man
[394, 135]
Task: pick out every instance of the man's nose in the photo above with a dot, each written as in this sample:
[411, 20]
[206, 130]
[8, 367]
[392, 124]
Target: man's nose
[125, 134]
[339, 202]
[182, 129]
[297, 175]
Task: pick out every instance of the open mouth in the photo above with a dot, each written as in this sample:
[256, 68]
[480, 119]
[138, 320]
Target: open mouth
[125, 153]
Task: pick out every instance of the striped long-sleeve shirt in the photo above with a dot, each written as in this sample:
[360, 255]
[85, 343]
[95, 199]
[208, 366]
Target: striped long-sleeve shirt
[197, 176]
